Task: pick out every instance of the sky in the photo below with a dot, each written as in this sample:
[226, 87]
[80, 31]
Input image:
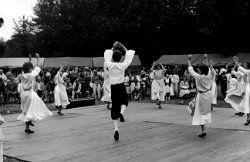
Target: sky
[13, 9]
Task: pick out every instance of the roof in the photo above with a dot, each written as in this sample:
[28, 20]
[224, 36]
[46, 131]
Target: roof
[71, 61]
[16, 62]
[175, 59]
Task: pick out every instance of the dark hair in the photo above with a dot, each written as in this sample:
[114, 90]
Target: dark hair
[27, 66]
[119, 48]
[117, 55]
[204, 69]
[233, 76]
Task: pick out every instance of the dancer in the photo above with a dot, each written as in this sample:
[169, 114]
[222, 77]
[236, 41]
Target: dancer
[33, 108]
[60, 93]
[158, 84]
[106, 87]
[116, 73]
[214, 90]
[235, 94]
[203, 100]
[245, 107]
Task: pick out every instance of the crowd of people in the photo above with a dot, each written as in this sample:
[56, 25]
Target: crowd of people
[88, 82]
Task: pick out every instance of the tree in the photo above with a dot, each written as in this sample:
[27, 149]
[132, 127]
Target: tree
[2, 47]
[22, 41]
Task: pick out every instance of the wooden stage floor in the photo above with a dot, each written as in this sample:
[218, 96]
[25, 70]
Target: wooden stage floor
[148, 135]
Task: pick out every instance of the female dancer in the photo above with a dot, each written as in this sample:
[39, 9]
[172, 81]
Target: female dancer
[235, 94]
[158, 84]
[246, 100]
[203, 100]
[60, 93]
[116, 74]
[33, 108]
[106, 87]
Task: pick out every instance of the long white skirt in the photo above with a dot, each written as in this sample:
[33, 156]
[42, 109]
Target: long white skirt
[61, 97]
[214, 91]
[199, 119]
[106, 91]
[33, 107]
[246, 100]
[158, 90]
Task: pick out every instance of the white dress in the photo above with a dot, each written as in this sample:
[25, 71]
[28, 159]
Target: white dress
[106, 86]
[202, 83]
[33, 108]
[158, 86]
[60, 93]
[246, 101]
[214, 91]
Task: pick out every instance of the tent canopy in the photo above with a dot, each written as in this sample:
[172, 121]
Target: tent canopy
[98, 61]
[17, 62]
[71, 61]
[176, 59]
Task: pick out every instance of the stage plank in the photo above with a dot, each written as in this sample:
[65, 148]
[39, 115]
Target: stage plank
[149, 134]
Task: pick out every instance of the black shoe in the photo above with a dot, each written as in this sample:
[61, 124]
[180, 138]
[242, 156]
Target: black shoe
[238, 113]
[202, 135]
[247, 123]
[121, 118]
[159, 107]
[60, 113]
[241, 114]
[116, 135]
[29, 131]
[30, 123]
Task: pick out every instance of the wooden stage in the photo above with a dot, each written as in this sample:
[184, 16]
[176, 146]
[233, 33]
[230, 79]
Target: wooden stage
[148, 135]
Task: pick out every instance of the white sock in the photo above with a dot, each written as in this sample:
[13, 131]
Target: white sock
[116, 125]
[123, 108]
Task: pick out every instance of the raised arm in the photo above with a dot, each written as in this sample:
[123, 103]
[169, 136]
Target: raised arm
[153, 66]
[128, 56]
[190, 68]
[108, 54]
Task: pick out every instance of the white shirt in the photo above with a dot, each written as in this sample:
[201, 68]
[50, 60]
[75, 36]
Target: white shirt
[117, 69]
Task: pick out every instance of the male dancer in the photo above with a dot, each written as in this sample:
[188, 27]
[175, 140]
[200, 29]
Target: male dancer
[116, 73]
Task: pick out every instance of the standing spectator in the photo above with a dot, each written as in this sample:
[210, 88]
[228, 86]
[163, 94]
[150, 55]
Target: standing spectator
[96, 85]
[39, 87]
[167, 86]
[12, 90]
[2, 75]
[223, 84]
[5, 83]
[192, 88]
[127, 85]
[184, 86]
[228, 76]
[175, 83]
[50, 91]
[2, 88]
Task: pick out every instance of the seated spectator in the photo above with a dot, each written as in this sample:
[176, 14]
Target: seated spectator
[77, 89]
[69, 88]
[12, 90]
[184, 86]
